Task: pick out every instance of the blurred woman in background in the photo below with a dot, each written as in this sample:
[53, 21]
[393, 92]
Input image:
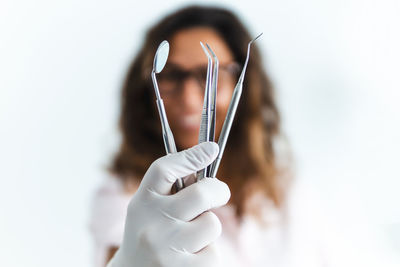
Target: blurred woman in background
[258, 225]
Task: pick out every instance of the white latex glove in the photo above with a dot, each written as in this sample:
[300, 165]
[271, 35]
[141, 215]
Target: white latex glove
[174, 230]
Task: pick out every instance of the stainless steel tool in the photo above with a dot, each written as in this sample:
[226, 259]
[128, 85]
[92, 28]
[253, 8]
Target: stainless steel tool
[204, 134]
[237, 92]
[160, 59]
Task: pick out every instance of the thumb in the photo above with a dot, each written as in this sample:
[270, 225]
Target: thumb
[163, 172]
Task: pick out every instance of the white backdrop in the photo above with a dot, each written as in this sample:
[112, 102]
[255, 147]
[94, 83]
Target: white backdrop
[335, 65]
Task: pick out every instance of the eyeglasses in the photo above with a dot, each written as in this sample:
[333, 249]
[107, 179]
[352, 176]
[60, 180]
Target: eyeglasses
[173, 76]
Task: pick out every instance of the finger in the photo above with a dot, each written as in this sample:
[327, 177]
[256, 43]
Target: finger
[163, 172]
[209, 256]
[198, 234]
[197, 198]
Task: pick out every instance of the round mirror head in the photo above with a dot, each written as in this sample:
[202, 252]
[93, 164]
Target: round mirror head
[161, 57]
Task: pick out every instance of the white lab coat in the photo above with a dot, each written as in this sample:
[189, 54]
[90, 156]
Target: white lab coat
[295, 236]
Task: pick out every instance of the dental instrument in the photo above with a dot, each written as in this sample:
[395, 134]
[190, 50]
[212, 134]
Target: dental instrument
[204, 134]
[237, 92]
[160, 59]
[214, 83]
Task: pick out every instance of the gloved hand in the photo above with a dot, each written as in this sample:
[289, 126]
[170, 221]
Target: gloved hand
[174, 230]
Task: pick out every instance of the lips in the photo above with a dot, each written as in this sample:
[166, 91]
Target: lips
[190, 121]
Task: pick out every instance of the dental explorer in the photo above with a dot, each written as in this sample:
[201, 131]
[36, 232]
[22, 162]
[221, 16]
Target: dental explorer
[231, 113]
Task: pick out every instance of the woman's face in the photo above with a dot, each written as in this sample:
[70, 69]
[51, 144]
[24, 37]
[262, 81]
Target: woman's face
[182, 82]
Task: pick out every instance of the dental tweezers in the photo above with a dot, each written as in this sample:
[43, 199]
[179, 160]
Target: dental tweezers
[208, 116]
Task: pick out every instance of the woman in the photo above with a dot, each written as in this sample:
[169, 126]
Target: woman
[163, 229]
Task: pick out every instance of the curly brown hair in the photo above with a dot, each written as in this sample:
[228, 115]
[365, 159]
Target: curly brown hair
[249, 162]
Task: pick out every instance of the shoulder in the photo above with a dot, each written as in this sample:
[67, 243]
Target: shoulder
[108, 208]
[108, 211]
[110, 194]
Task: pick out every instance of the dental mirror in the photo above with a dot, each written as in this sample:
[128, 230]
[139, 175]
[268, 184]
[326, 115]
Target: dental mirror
[161, 57]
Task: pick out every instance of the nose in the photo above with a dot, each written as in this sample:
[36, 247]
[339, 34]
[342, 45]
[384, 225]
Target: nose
[191, 96]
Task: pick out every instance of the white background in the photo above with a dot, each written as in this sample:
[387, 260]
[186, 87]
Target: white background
[335, 65]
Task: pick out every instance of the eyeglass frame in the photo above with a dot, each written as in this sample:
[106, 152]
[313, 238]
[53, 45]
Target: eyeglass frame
[233, 68]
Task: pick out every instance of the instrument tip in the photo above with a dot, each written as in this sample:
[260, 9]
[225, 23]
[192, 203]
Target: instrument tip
[256, 37]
